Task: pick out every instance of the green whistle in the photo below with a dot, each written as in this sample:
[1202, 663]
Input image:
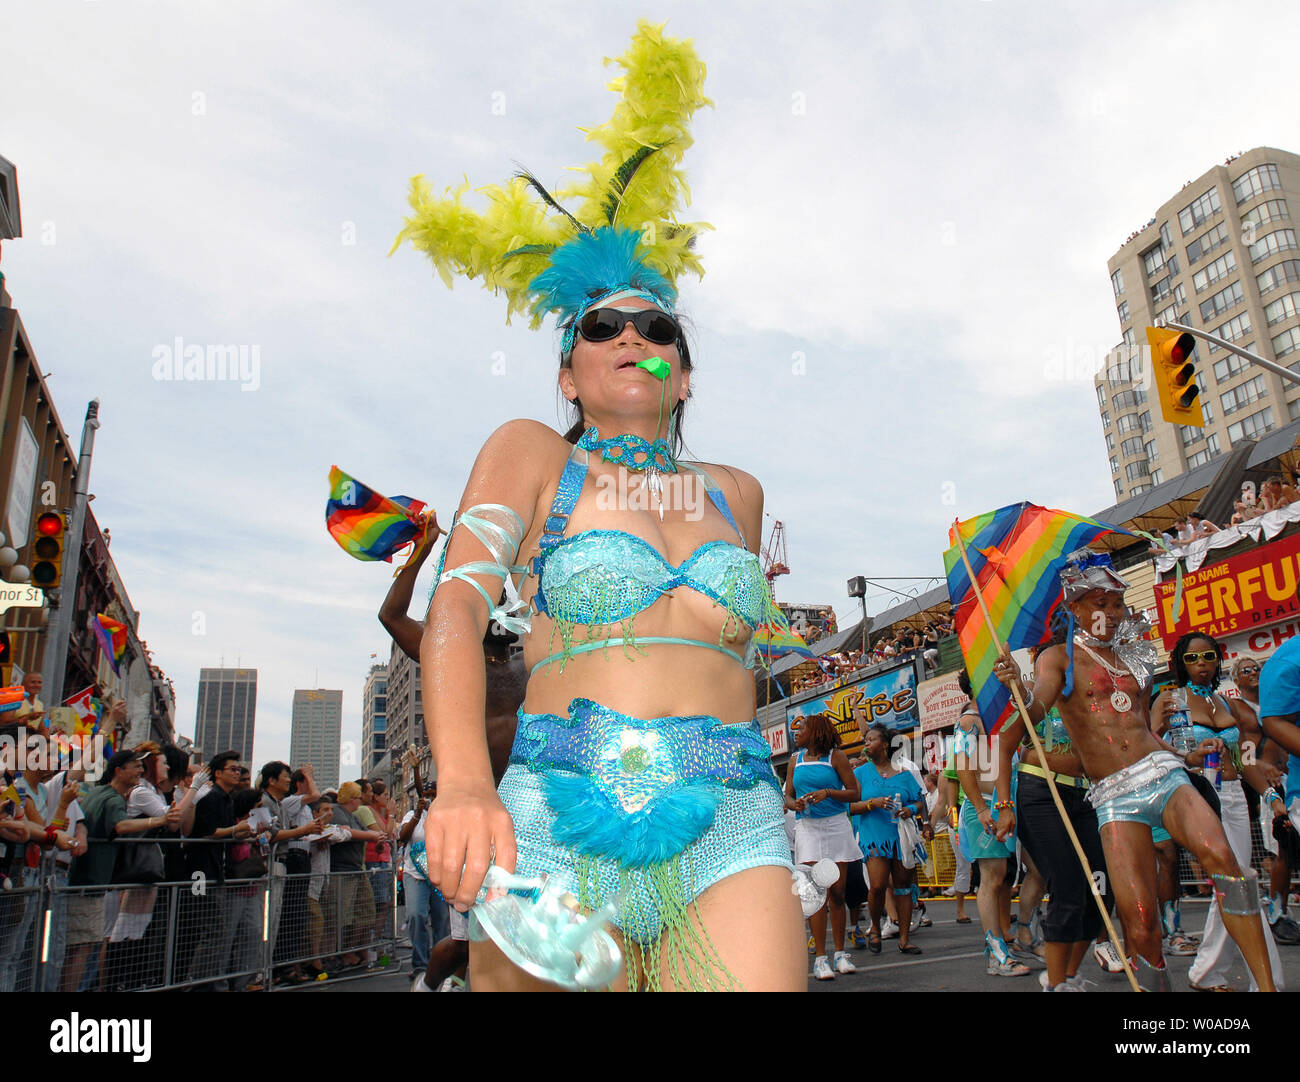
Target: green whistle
[656, 366]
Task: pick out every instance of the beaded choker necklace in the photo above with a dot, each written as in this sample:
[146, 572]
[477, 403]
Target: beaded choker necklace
[636, 454]
[631, 452]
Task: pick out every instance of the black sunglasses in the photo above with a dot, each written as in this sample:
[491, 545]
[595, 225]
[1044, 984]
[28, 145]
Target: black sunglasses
[602, 324]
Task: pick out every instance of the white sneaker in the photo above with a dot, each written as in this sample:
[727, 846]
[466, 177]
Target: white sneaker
[1079, 984]
[822, 969]
[1107, 957]
[889, 930]
[418, 984]
[916, 920]
[452, 984]
[842, 963]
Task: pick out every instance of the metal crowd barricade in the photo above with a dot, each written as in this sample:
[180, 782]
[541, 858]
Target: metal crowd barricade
[232, 935]
[941, 867]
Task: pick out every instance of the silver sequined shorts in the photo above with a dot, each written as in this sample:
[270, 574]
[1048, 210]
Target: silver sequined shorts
[1139, 792]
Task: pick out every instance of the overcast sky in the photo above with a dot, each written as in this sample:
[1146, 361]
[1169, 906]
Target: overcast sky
[914, 205]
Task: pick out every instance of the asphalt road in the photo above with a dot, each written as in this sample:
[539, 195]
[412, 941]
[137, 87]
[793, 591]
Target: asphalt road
[952, 961]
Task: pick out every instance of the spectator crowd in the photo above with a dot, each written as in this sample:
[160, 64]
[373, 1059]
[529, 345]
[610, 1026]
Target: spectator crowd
[159, 873]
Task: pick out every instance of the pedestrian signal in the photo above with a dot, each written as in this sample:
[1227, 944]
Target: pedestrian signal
[47, 552]
[1175, 376]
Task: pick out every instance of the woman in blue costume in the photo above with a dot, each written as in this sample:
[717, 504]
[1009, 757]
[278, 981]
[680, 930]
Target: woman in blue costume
[819, 787]
[887, 795]
[1197, 663]
[639, 776]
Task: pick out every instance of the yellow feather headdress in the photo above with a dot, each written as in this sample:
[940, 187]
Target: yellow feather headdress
[624, 232]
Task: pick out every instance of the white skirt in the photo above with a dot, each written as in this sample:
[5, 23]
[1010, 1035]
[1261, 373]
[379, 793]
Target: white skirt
[829, 837]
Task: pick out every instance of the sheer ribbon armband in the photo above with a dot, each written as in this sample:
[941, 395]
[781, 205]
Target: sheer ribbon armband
[501, 532]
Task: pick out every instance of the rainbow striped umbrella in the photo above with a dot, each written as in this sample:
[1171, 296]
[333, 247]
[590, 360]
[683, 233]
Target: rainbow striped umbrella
[111, 636]
[1017, 553]
[774, 642]
[366, 525]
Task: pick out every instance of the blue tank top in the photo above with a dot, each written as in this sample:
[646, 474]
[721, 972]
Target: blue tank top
[810, 776]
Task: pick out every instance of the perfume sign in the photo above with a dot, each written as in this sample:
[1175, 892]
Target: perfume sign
[1252, 590]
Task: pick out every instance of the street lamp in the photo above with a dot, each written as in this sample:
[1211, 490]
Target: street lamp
[858, 589]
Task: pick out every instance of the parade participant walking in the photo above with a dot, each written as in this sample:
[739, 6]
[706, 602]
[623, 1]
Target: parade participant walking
[1271, 755]
[887, 795]
[639, 776]
[1138, 782]
[976, 765]
[1197, 662]
[1072, 920]
[819, 788]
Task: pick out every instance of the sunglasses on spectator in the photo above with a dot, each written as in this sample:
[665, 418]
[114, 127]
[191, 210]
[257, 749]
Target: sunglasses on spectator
[1204, 655]
[1248, 670]
[602, 324]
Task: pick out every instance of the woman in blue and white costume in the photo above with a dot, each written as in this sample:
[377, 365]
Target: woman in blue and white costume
[639, 776]
[819, 787]
[1197, 664]
[887, 795]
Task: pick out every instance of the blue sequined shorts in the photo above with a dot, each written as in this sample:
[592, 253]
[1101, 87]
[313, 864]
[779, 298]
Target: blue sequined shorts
[1139, 792]
[656, 810]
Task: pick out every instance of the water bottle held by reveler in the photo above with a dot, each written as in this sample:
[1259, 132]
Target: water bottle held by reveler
[1180, 736]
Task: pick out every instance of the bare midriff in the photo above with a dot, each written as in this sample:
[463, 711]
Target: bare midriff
[1104, 739]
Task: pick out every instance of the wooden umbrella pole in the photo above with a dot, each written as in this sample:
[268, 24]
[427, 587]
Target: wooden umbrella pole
[1047, 774]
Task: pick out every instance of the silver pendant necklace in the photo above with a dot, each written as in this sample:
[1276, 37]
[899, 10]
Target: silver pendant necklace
[1120, 700]
[654, 484]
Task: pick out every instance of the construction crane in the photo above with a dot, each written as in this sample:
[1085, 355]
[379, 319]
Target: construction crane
[774, 558]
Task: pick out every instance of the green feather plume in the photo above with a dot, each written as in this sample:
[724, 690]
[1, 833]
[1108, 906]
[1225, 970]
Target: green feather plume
[637, 184]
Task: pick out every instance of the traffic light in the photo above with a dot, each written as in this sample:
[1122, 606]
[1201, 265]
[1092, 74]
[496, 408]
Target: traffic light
[47, 552]
[1175, 376]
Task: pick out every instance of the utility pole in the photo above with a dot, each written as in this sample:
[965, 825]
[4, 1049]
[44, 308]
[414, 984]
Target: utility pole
[56, 648]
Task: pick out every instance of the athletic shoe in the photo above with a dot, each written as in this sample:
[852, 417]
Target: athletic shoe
[452, 984]
[822, 969]
[418, 985]
[1181, 945]
[926, 922]
[1079, 984]
[1286, 931]
[1107, 957]
[915, 922]
[1008, 968]
[889, 930]
[1070, 984]
[859, 940]
[842, 963]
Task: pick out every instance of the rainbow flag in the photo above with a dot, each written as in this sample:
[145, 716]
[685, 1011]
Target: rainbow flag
[88, 710]
[774, 642]
[111, 637]
[1017, 553]
[366, 525]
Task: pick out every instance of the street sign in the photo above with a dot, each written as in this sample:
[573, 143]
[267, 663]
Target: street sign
[20, 597]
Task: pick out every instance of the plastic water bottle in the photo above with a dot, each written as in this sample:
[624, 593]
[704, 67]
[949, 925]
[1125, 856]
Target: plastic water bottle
[1180, 736]
[810, 884]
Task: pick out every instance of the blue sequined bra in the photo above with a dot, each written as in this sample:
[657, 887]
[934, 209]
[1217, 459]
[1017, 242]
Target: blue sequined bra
[600, 577]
